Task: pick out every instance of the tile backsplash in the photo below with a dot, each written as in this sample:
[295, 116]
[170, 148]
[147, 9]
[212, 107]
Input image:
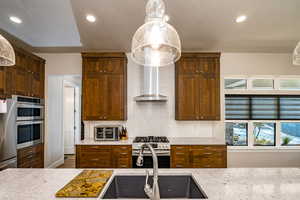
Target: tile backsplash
[156, 118]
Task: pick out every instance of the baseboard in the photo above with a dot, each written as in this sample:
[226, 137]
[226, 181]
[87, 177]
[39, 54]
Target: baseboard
[69, 150]
[56, 163]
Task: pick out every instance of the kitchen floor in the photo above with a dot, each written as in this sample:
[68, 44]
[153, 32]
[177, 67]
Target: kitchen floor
[69, 162]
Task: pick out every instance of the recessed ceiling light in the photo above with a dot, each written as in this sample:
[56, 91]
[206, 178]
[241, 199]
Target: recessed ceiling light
[241, 18]
[16, 20]
[91, 18]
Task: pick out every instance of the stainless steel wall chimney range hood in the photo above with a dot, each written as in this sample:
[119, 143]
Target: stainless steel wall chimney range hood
[150, 91]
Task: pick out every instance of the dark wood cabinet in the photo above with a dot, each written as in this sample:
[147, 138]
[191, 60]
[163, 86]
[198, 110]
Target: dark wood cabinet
[104, 86]
[26, 78]
[31, 157]
[103, 156]
[199, 156]
[197, 83]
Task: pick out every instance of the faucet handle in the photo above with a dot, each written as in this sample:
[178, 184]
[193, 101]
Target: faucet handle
[147, 177]
[147, 188]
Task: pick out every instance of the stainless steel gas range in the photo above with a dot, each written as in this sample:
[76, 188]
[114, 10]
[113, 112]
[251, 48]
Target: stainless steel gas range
[161, 146]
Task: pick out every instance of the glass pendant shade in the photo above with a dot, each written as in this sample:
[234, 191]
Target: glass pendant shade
[296, 55]
[7, 54]
[156, 43]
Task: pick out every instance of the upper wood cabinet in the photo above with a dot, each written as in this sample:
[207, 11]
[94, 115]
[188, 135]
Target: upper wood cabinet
[197, 90]
[104, 86]
[26, 78]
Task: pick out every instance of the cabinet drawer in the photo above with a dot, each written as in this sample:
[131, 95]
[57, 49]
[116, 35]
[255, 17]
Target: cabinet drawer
[95, 148]
[29, 151]
[210, 148]
[123, 163]
[122, 149]
[95, 160]
[180, 149]
[209, 162]
[31, 157]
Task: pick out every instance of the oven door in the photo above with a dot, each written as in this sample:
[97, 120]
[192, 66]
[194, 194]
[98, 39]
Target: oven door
[30, 112]
[163, 161]
[29, 133]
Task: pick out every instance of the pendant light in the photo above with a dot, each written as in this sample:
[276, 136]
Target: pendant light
[296, 55]
[7, 54]
[156, 43]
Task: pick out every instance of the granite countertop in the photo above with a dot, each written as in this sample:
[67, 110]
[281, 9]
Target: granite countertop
[173, 141]
[91, 141]
[218, 184]
[196, 141]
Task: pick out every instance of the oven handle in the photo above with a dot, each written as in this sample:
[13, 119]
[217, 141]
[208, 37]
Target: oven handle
[29, 122]
[149, 154]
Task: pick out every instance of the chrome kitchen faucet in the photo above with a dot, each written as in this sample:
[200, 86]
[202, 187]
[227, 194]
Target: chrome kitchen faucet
[152, 193]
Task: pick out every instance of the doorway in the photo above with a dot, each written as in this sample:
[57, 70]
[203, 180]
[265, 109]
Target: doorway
[71, 114]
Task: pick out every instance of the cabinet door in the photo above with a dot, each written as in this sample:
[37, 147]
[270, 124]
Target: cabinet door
[91, 156]
[209, 85]
[9, 81]
[114, 65]
[22, 78]
[35, 78]
[187, 93]
[42, 80]
[94, 97]
[208, 156]
[115, 98]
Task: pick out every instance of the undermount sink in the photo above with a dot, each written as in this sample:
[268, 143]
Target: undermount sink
[170, 187]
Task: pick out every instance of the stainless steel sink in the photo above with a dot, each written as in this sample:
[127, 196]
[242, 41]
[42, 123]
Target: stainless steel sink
[170, 187]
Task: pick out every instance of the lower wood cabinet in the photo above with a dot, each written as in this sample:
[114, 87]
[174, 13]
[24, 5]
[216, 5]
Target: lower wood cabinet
[103, 156]
[31, 157]
[198, 156]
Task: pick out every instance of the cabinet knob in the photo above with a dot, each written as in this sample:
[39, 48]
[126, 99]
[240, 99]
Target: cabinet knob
[104, 117]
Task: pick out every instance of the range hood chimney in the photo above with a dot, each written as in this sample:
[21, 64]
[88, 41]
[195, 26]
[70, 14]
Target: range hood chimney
[150, 91]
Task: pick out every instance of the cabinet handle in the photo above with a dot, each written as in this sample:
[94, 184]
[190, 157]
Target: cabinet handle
[123, 166]
[207, 153]
[179, 147]
[105, 117]
[124, 153]
[95, 159]
[178, 153]
[179, 165]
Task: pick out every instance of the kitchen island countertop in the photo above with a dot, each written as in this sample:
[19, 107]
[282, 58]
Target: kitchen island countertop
[218, 184]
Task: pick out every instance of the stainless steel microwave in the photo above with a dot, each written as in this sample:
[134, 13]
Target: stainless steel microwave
[107, 133]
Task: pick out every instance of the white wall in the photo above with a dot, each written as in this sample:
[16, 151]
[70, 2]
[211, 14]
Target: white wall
[54, 123]
[57, 66]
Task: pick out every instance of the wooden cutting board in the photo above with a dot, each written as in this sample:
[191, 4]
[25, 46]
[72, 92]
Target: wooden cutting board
[89, 183]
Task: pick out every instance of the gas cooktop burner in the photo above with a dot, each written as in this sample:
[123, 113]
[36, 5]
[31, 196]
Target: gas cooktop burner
[151, 139]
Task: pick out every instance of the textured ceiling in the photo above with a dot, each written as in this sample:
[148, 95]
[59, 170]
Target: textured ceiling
[203, 25]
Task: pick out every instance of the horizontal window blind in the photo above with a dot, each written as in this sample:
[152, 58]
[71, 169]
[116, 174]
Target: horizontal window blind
[290, 107]
[237, 107]
[262, 107]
